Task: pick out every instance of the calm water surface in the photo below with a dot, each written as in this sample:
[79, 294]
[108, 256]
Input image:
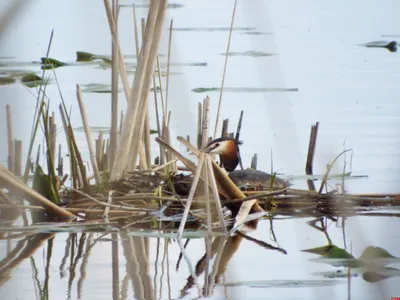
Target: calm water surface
[351, 90]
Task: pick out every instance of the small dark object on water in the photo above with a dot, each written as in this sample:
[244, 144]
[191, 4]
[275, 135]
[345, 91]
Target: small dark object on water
[255, 179]
[391, 46]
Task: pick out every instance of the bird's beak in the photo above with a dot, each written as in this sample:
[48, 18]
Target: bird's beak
[208, 149]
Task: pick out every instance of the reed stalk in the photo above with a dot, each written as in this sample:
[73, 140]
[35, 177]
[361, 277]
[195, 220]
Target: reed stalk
[22, 190]
[88, 134]
[10, 157]
[114, 91]
[133, 124]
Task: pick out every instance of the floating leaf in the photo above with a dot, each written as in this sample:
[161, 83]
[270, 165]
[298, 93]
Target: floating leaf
[256, 32]
[249, 53]
[187, 234]
[213, 29]
[102, 129]
[84, 56]
[372, 252]
[284, 283]
[391, 46]
[51, 62]
[169, 5]
[32, 80]
[244, 90]
[6, 80]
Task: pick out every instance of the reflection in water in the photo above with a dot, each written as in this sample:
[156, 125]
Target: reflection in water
[139, 277]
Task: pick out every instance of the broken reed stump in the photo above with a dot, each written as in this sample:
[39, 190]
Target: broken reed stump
[310, 155]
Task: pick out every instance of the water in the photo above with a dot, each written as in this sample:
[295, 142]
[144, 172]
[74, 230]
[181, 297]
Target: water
[350, 89]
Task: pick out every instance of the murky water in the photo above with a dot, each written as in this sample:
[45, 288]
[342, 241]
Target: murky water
[312, 49]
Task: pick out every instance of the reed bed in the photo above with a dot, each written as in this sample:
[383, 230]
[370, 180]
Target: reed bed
[126, 184]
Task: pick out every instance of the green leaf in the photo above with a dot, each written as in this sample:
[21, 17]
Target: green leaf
[43, 185]
[51, 62]
[32, 80]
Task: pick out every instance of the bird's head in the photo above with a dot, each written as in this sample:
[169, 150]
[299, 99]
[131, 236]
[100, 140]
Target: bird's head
[228, 151]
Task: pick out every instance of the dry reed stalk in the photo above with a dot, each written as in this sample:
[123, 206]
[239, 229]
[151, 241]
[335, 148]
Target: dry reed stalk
[70, 147]
[225, 64]
[114, 90]
[206, 121]
[168, 64]
[159, 131]
[209, 226]
[22, 190]
[120, 125]
[121, 61]
[254, 161]
[146, 130]
[10, 157]
[107, 209]
[88, 134]
[60, 161]
[100, 154]
[199, 122]
[225, 125]
[18, 157]
[310, 155]
[228, 187]
[133, 124]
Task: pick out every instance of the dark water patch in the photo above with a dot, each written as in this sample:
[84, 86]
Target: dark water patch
[211, 29]
[249, 53]
[391, 46]
[243, 90]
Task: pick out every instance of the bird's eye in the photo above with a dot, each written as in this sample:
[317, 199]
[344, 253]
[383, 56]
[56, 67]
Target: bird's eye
[217, 145]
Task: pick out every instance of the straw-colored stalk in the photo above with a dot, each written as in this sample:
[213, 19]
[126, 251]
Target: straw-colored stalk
[206, 120]
[114, 90]
[22, 190]
[88, 134]
[18, 157]
[134, 122]
[10, 157]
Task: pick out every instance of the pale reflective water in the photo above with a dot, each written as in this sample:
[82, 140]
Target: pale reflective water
[351, 90]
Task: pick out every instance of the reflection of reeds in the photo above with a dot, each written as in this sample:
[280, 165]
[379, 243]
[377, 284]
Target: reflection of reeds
[137, 266]
[24, 251]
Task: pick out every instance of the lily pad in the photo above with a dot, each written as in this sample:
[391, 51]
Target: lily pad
[284, 283]
[250, 53]
[6, 80]
[87, 56]
[98, 129]
[243, 90]
[32, 80]
[207, 29]
[102, 88]
[330, 251]
[51, 63]
[256, 33]
[391, 46]
[169, 5]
